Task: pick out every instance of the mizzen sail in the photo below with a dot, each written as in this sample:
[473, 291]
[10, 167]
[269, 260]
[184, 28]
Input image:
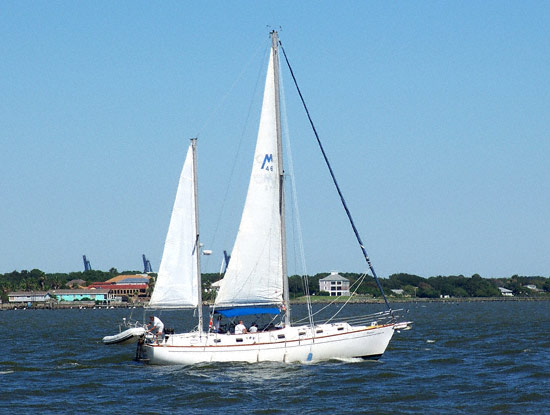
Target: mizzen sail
[177, 284]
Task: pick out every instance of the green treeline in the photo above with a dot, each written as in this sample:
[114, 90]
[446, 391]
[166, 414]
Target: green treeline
[432, 287]
[412, 285]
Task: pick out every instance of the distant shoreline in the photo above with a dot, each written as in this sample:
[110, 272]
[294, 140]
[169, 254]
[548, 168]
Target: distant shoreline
[325, 300]
[425, 300]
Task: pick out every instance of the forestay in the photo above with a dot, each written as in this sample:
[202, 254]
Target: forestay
[254, 274]
[177, 282]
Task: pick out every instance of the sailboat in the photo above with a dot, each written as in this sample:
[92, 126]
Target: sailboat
[255, 282]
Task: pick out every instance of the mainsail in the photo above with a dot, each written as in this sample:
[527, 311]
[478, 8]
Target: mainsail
[177, 283]
[255, 273]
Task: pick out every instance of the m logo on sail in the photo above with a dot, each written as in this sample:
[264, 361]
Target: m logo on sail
[268, 159]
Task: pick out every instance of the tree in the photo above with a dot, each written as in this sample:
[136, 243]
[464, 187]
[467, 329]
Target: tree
[403, 279]
[459, 292]
[409, 290]
[425, 290]
[151, 285]
[55, 283]
[295, 286]
[481, 287]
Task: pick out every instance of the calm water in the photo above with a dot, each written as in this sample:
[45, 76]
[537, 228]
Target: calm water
[458, 359]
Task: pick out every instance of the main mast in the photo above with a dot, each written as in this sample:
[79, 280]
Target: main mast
[275, 48]
[197, 239]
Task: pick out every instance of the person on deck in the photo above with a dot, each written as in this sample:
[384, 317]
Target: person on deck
[253, 328]
[158, 325]
[240, 328]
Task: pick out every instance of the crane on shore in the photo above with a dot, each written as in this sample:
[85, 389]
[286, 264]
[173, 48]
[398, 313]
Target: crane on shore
[146, 265]
[87, 266]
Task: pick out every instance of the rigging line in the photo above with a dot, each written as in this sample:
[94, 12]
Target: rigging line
[235, 159]
[297, 222]
[217, 109]
[358, 282]
[357, 236]
[349, 299]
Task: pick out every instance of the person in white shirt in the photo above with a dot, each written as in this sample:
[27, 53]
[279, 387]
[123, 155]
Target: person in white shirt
[253, 328]
[240, 328]
[158, 325]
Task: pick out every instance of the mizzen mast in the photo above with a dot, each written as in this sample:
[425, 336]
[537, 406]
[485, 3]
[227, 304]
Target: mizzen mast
[197, 239]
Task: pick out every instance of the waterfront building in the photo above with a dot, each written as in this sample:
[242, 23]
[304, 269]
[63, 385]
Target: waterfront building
[83, 295]
[29, 297]
[334, 284]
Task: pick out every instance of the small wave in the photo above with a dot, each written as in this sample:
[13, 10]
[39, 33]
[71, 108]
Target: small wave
[202, 396]
[510, 352]
[26, 369]
[349, 359]
[530, 397]
[386, 375]
[430, 341]
[112, 359]
[353, 380]
[69, 365]
[404, 397]
[447, 360]
[456, 343]
[5, 372]
[89, 385]
[505, 363]
[524, 368]
[8, 363]
[540, 375]
[500, 408]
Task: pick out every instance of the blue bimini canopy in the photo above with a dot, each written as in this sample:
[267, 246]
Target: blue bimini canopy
[246, 311]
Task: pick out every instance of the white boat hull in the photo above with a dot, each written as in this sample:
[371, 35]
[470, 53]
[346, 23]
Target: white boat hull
[292, 344]
[128, 336]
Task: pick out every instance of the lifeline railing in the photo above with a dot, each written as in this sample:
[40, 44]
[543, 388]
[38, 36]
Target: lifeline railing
[381, 318]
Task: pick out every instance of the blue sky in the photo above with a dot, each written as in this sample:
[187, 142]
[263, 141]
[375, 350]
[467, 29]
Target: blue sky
[436, 116]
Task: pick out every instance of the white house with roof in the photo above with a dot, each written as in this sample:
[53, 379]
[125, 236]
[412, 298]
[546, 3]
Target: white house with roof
[506, 292]
[334, 284]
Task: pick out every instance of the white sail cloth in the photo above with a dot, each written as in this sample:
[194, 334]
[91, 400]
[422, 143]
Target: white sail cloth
[177, 283]
[255, 272]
